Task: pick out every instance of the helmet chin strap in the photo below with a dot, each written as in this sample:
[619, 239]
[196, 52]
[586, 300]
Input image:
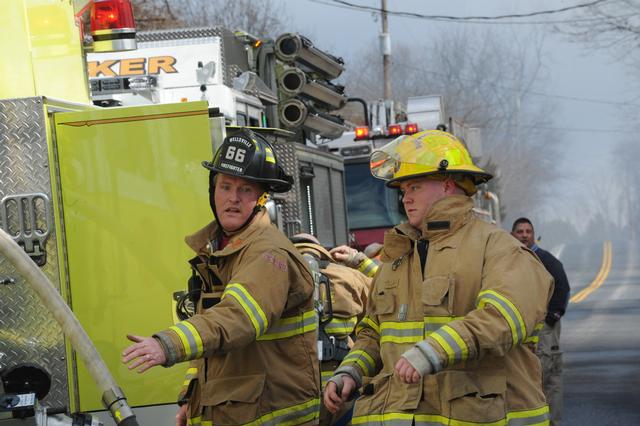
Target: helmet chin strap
[262, 200]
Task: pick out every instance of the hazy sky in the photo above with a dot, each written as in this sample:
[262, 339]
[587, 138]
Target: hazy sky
[572, 69]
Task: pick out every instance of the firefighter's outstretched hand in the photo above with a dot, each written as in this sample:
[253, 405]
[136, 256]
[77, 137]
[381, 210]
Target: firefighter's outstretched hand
[332, 400]
[181, 415]
[406, 372]
[346, 255]
[145, 353]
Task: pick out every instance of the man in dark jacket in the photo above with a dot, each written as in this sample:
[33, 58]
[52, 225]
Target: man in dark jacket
[549, 343]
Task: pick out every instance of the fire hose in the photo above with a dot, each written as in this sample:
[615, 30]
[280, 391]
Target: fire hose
[113, 398]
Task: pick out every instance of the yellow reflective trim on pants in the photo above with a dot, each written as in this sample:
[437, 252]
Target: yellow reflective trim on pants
[391, 418]
[291, 326]
[367, 322]
[508, 311]
[250, 306]
[367, 364]
[324, 377]
[190, 339]
[195, 421]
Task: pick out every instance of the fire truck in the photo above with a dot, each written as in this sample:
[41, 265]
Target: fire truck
[372, 207]
[100, 179]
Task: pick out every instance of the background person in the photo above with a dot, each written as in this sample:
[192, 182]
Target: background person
[549, 337]
[349, 293]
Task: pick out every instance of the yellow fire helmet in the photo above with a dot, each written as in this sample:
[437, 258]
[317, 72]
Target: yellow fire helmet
[429, 153]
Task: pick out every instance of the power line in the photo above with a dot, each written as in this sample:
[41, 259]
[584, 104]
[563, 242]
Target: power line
[466, 19]
[530, 92]
[575, 129]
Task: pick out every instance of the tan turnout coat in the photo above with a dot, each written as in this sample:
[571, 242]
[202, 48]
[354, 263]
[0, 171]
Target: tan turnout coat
[253, 354]
[477, 305]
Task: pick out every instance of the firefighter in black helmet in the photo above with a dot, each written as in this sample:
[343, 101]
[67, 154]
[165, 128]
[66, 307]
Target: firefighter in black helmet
[253, 336]
[249, 156]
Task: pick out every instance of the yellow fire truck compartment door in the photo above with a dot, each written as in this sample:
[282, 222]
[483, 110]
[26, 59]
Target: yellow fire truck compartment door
[132, 187]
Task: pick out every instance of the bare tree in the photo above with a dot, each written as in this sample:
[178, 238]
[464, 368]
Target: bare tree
[262, 18]
[486, 80]
[608, 25]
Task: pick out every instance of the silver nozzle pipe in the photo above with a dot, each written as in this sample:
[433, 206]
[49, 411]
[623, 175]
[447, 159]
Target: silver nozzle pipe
[291, 47]
[325, 128]
[293, 81]
[113, 397]
[294, 114]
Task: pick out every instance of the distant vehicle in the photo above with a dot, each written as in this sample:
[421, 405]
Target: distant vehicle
[372, 207]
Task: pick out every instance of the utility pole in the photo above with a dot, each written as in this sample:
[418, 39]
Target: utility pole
[385, 46]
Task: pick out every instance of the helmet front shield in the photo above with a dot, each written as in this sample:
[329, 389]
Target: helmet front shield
[426, 153]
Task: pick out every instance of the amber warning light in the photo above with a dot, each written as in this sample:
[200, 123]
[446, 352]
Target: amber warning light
[362, 133]
[112, 26]
[394, 130]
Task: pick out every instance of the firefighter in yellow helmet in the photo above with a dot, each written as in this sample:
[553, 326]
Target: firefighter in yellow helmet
[252, 340]
[447, 335]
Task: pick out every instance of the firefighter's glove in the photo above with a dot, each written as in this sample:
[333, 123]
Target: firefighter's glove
[339, 389]
[552, 318]
[422, 358]
[348, 256]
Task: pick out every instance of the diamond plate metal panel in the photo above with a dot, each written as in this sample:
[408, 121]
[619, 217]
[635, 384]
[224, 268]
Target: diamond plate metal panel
[338, 207]
[178, 34]
[286, 153]
[28, 333]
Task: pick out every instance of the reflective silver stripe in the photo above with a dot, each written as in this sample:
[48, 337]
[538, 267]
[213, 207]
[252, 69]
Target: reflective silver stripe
[297, 414]
[291, 326]
[256, 315]
[367, 322]
[431, 324]
[392, 419]
[529, 417]
[192, 351]
[368, 267]
[401, 332]
[363, 359]
[341, 325]
[505, 307]
[452, 343]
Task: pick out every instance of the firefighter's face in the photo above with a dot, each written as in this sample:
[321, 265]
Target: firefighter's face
[418, 195]
[524, 233]
[235, 198]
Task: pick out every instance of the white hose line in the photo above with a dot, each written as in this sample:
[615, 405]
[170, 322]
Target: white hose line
[53, 301]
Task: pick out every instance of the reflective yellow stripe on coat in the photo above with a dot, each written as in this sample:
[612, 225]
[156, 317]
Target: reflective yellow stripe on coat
[368, 267]
[508, 311]
[339, 326]
[537, 417]
[364, 361]
[190, 338]
[293, 415]
[367, 322]
[291, 326]
[250, 306]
